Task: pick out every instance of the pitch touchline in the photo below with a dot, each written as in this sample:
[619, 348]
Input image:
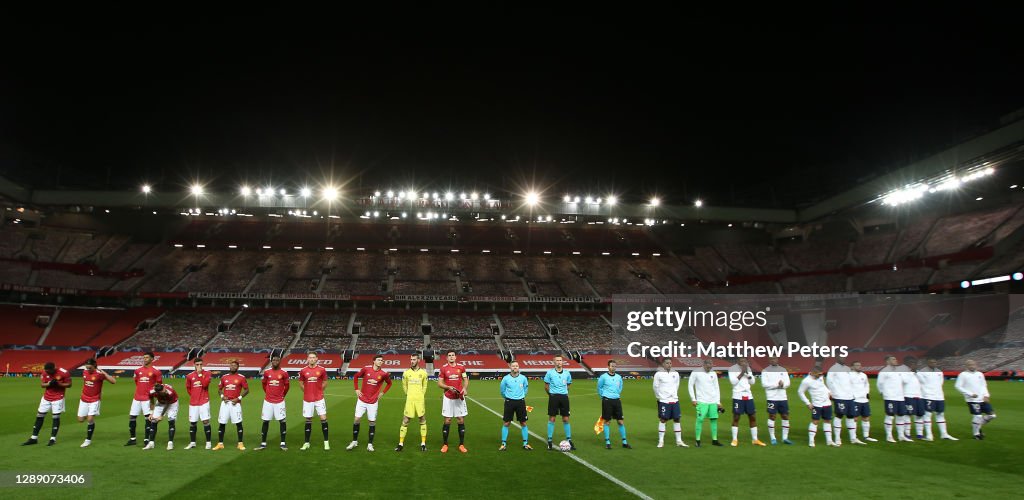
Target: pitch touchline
[574, 457]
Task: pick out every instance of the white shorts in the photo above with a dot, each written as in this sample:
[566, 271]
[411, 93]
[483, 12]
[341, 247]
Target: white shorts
[55, 407]
[451, 408]
[309, 406]
[229, 411]
[273, 411]
[370, 409]
[197, 413]
[139, 408]
[88, 409]
[170, 411]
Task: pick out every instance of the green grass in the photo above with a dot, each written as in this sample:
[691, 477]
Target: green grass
[966, 468]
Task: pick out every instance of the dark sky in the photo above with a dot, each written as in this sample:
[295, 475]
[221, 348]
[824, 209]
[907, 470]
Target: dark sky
[745, 114]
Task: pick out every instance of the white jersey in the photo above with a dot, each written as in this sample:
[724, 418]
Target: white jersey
[770, 378]
[890, 383]
[972, 385]
[838, 382]
[819, 393]
[860, 386]
[741, 385]
[704, 387]
[666, 386]
[931, 384]
[911, 385]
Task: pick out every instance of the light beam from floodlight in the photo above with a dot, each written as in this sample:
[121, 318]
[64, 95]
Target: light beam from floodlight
[532, 198]
[246, 191]
[196, 190]
[146, 188]
[330, 193]
[306, 192]
[655, 201]
[699, 203]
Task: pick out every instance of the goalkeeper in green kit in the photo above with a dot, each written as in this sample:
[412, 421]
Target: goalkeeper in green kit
[706, 398]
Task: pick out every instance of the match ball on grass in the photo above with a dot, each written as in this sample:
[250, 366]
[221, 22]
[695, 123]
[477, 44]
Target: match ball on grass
[565, 445]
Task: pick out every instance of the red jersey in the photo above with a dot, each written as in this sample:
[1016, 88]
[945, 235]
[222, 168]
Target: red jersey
[165, 398]
[313, 380]
[372, 380]
[55, 393]
[145, 379]
[232, 385]
[275, 385]
[92, 386]
[197, 385]
[452, 376]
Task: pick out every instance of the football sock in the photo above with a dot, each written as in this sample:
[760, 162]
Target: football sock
[551, 431]
[308, 430]
[735, 433]
[284, 431]
[622, 432]
[785, 429]
[170, 429]
[56, 426]
[504, 434]
[444, 432]
[89, 430]
[661, 432]
[373, 432]
[323, 427]
[526, 435]
[355, 432]
[678, 428]
[263, 432]
[39, 425]
[462, 434]
[208, 430]
[192, 427]
[131, 426]
[423, 433]
[812, 430]
[220, 433]
[771, 429]
[401, 434]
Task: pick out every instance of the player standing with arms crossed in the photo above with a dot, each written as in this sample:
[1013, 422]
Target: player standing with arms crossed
[742, 379]
[367, 398]
[514, 387]
[971, 383]
[92, 390]
[454, 381]
[932, 378]
[197, 385]
[609, 389]
[556, 383]
[146, 377]
[233, 387]
[707, 399]
[312, 379]
[164, 401]
[861, 406]
[775, 380]
[55, 381]
[819, 404]
[414, 384]
[666, 391]
[275, 388]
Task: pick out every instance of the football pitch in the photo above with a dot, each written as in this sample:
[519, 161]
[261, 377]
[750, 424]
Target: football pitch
[967, 468]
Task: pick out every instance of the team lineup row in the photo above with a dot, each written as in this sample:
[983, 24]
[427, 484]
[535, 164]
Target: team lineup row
[908, 392]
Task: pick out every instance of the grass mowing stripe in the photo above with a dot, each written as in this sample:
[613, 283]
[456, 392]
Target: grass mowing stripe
[579, 460]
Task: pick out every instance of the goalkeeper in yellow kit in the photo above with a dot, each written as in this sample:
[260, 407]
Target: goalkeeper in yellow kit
[414, 383]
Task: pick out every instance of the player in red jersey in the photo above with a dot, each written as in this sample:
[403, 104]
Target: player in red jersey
[366, 403]
[454, 381]
[92, 389]
[197, 385]
[146, 378]
[233, 387]
[275, 388]
[164, 401]
[312, 379]
[55, 381]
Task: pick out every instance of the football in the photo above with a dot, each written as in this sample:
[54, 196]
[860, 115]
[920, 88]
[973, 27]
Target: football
[565, 445]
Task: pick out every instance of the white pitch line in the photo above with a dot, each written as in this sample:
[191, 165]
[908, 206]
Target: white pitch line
[579, 460]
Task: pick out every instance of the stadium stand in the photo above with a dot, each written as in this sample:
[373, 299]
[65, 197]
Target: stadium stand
[389, 325]
[21, 326]
[179, 328]
[956, 232]
[260, 329]
[585, 333]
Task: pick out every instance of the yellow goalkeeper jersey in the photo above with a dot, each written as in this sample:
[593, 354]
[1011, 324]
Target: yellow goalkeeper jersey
[414, 383]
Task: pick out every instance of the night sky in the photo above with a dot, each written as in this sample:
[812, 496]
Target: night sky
[754, 114]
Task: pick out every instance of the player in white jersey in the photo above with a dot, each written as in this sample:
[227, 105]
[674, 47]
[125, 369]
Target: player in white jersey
[838, 383]
[861, 406]
[971, 383]
[890, 385]
[931, 379]
[666, 390]
[742, 379]
[819, 404]
[912, 394]
[775, 380]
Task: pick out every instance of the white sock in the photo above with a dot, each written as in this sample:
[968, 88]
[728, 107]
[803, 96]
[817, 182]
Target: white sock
[661, 432]
[851, 427]
[888, 425]
[812, 429]
[919, 426]
[678, 427]
[785, 430]
[940, 422]
[753, 433]
[771, 429]
[976, 424]
[928, 426]
[828, 435]
[865, 427]
[837, 429]
[735, 433]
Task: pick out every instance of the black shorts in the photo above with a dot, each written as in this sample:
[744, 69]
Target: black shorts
[611, 409]
[515, 408]
[558, 405]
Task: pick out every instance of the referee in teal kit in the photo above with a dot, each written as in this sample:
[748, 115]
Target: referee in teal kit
[514, 387]
[556, 384]
[609, 387]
